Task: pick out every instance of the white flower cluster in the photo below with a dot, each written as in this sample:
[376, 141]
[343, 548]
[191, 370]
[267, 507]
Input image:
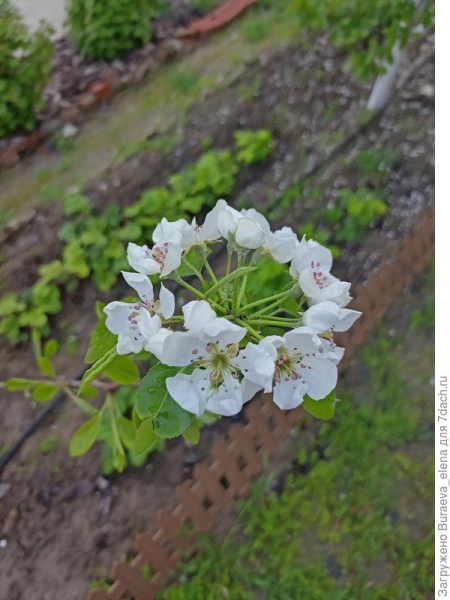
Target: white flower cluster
[223, 355]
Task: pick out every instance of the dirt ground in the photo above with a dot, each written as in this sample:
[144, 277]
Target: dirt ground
[63, 522]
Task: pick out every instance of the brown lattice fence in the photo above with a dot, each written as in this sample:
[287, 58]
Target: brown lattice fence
[237, 458]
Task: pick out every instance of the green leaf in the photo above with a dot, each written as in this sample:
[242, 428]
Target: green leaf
[172, 420]
[46, 367]
[127, 432]
[88, 391]
[99, 366]
[192, 263]
[123, 370]
[228, 279]
[83, 439]
[16, 384]
[50, 349]
[192, 433]
[44, 392]
[154, 400]
[322, 409]
[146, 437]
[102, 339]
[152, 392]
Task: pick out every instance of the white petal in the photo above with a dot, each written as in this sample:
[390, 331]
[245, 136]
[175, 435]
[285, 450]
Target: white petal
[327, 316]
[281, 244]
[309, 253]
[129, 342]
[148, 325]
[332, 290]
[257, 364]
[117, 316]
[141, 259]
[141, 283]
[166, 302]
[208, 232]
[227, 218]
[249, 390]
[186, 391]
[249, 234]
[320, 375]
[258, 218]
[173, 259]
[223, 332]
[197, 314]
[346, 319]
[227, 400]
[302, 339]
[289, 394]
[155, 343]
[180, 233]
[181, 349]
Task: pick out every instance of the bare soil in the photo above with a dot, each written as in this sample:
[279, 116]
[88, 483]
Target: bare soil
[61, 520]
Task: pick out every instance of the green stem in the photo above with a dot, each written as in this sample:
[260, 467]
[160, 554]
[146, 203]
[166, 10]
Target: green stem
[210, 271]
[268, 322]
[189, 287]
[80, 402]
[254, 333]
[242, 290]
[265, 300]
[227, 272]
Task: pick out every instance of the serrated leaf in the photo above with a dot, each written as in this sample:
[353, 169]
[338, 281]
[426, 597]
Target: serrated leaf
[44, 392]
[123, 370]
[146, 437]
[152, 392]
[83, 439]
[172, 420]
[102, 339]
[321, 409]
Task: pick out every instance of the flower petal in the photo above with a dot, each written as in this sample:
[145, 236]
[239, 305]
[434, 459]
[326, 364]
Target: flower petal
[141, 259]
[172, 260]
[257, 363]
[320, 375]
[117, 316]
[181, 349]
[289, 394]
[141, 283]
[197, 314]
[155, 343]
[148, 325]
[129, 341]
[186, 391]
[166, 302]
[249, 234]
[281, 244]
[227, 400]
[223, 332]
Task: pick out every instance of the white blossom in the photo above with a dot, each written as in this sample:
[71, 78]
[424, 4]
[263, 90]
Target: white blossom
[136, 322]
[298, 367]
[160, 259]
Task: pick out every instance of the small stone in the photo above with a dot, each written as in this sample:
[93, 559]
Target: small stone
[3, 543]
[69, 130]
